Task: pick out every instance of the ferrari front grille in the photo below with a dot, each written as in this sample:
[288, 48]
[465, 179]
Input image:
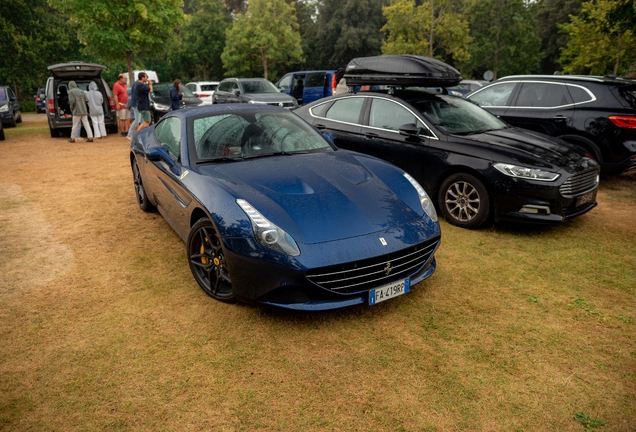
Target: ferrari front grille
[363, 275]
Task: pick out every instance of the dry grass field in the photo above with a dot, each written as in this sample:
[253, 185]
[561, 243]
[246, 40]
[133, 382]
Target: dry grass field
[102, 326]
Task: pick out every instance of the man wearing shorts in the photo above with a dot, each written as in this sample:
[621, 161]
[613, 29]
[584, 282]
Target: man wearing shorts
[142, 96]
[121, 97]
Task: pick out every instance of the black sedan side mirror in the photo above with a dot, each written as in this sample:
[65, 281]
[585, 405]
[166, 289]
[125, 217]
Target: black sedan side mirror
[409, 129]
[160, 154]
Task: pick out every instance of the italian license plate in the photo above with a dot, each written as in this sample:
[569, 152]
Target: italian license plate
[389, 291]
[585, 199]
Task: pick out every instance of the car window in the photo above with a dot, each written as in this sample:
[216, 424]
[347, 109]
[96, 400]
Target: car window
[225, 86]
[233, 86]
[386, 114]
[628, 93]
[319, 110]
[346, 110]
[579, 95]
[3, 95]
[208, 87]
[168, 135]
[285, 82]
[258, 87]
[10, 93]
[542, 95]
[241, 135]
[496, 95]
[315, 79]
[457, 116]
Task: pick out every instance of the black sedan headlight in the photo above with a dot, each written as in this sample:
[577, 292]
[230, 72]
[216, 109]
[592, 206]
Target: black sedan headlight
[526, 173]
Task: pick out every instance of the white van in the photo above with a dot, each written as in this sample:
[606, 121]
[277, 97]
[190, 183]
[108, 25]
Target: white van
[151, 74]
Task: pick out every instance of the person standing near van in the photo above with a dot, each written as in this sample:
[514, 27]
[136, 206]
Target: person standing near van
[77, 100]
[142, 97]
[96, 110]
[121, 98]
[175, 95]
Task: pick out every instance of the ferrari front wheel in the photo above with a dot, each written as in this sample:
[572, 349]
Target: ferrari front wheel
[140, 191]
[207, 261]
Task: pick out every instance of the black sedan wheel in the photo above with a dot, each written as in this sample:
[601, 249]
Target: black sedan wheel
[140, 191]
[207, 261]
[464, 201]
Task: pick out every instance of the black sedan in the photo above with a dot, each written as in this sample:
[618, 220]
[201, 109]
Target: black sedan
[474, 165]
[160, 99]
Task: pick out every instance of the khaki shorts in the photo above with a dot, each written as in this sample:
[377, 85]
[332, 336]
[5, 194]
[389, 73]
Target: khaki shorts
[145, 116]
[123, 114]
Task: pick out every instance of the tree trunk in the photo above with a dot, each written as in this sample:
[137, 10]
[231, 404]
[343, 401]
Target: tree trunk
[430, 35]
[264, 60]
[131, 78]
[618, 56]
[205, 72]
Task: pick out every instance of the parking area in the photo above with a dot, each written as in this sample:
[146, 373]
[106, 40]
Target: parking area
[103, 327]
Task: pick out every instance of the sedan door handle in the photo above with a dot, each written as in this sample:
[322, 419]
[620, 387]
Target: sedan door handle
[320, 126]
[371, 135]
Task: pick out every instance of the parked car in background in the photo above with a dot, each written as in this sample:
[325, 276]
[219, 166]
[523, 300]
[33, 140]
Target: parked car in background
[57, 103]
[253, 91]
[9, 107]
[204, 90]
[273, 214]
[474, 165]
[466, 86]
[1, 132]
[160, 99]
[308, 86]
[40, 100]
[597, 114]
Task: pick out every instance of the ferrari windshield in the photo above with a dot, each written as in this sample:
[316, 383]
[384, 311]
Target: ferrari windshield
[457, 116]
[240, 135]
[258, 86]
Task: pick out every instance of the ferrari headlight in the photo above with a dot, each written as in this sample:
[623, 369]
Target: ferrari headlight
[4, 108]
[267, 233]
[425, 201]
[161, 107]
[526, 173]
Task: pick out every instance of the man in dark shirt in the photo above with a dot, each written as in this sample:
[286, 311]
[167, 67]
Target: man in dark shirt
[142, 97]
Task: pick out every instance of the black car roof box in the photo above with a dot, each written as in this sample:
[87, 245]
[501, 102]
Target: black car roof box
[401, 70]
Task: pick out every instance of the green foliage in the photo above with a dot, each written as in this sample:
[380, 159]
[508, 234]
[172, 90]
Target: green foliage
[114, 30]
[265, 36]
[27, 105]
[588, 422]
[550, 13]
[446, 36]
[504, 38]
[598, 43]
[33, 36]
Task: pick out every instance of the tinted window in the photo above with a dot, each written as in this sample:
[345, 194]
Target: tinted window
[542, 95]
[319, 110]
[3, 95]
[239, 136]
[168, 134]
[497, 95]
[316, 79]
[285, 82]
[457, 116]
[208, 87]
[386, 114]
[579, 94]
[225, 86]
[346, 110]
[192, 87]
[629, 94]
[258, 87]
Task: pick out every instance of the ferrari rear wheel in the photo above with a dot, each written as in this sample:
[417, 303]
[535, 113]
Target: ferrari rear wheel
[207, 261]
[140, 191]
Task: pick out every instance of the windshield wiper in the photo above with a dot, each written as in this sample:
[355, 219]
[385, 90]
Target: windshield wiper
[283, 153]
[220, 159]
[481, 131]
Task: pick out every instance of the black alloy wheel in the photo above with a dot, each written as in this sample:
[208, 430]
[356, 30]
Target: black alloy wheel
[12, 123]
[140, 191]
[464, 201]
[55, 133]
[207, 261]
[19, 120]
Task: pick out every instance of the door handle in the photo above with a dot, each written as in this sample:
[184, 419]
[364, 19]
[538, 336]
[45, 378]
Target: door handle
[370, 135]
[559, 118]
[320, 126]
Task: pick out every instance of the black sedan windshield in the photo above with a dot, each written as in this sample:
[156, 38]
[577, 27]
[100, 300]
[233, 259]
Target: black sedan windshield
[457, 116]
[230, 136]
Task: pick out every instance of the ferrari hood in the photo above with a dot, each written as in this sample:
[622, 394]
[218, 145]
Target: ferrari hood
[322, 197]
[531, 148]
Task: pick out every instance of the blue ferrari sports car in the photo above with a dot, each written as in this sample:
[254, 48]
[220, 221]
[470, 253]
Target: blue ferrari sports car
[273, 213]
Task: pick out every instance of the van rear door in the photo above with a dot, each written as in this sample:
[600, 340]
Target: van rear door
[76, 70]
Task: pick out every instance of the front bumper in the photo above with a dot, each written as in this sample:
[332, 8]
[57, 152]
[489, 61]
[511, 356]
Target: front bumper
[262, 276]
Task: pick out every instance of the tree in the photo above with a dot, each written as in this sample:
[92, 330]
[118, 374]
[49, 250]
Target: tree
[346, 29]
[446, 34]
[264, 36]
[503, 35]
[549, 14]
[33, 36]
[115, 29]
[600, 43]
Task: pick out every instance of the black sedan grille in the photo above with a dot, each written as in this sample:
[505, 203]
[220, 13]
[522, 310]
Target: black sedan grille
[579, 183]
[362, 275]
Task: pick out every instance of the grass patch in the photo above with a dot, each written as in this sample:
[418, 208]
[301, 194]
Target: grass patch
[28, 127]
[102, 326]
